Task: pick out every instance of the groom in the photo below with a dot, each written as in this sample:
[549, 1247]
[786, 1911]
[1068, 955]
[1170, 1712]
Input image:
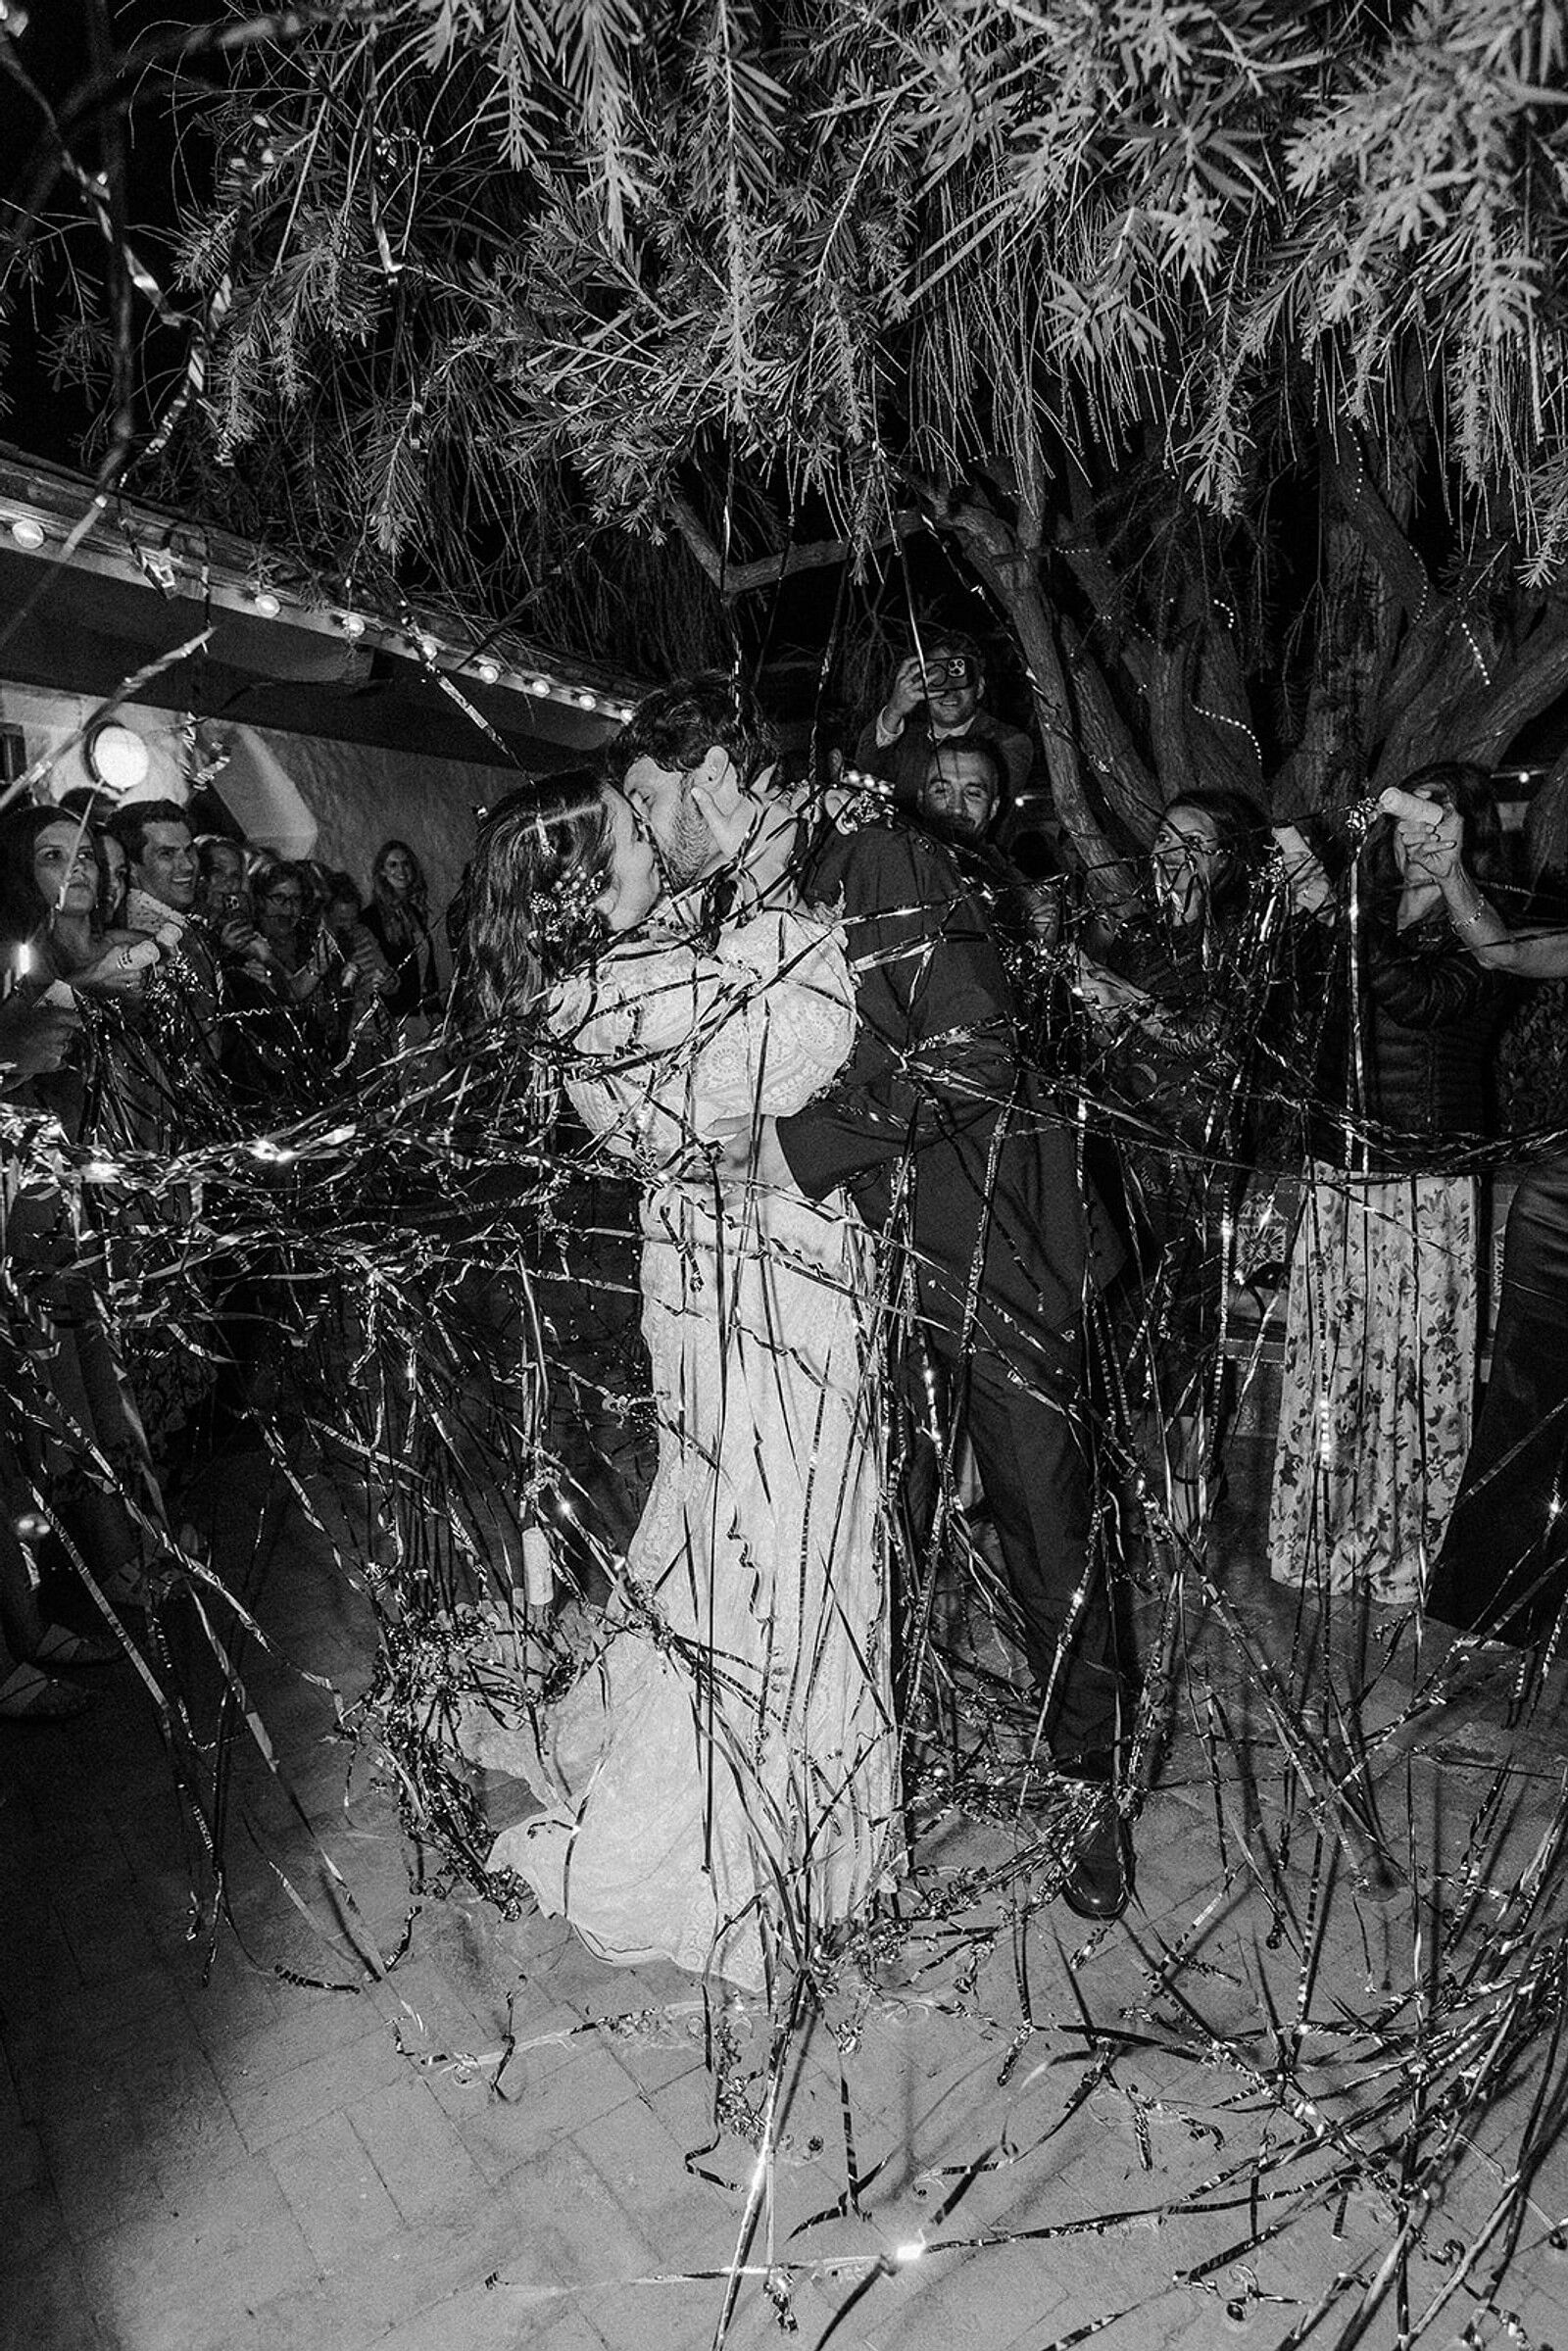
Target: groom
[933, 1115]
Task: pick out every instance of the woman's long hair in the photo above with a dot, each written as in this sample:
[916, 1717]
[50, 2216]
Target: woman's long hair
[26, 916]
[407, 917]
[1240, 831]
[542, 857]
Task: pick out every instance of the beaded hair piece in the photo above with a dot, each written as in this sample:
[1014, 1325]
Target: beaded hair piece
[562, 920]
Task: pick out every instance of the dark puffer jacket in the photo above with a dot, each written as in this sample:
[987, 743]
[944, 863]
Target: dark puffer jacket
[1421, 1080]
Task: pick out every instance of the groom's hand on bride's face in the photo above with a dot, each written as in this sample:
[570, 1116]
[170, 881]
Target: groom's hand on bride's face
[749, 1152]
[731, 813]
[754, 829]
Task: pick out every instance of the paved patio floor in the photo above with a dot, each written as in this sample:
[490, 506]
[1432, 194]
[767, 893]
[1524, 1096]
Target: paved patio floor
[1276, 2082]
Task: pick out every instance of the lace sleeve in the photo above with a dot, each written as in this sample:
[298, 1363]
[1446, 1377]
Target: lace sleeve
[625, 1030]
[664, 1040]
[789, 1026]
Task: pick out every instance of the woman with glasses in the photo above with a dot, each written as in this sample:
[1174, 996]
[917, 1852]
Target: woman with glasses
[273, 1050]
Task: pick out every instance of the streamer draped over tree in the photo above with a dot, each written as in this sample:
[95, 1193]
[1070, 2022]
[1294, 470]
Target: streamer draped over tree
[1219, 344]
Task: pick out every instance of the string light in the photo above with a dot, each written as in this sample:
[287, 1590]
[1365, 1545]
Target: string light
[28, 532]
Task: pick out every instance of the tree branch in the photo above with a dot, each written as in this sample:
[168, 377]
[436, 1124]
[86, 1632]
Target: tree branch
[1362, 505]
[1539, 676]
[764, 572]
[1012, 575]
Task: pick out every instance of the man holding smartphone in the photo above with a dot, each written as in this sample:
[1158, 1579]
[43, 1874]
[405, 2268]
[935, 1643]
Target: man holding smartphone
[935, 699]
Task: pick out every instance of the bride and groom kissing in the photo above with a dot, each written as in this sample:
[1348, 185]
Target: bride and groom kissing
[799, 1030]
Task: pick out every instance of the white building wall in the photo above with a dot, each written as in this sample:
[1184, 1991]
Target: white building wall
[302, 795]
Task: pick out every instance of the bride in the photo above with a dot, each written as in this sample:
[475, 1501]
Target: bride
[718, 1787]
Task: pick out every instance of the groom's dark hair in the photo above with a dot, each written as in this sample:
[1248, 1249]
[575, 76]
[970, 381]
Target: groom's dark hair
[678, 724]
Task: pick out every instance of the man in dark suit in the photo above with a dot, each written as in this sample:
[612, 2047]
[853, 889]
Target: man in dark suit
[934, 1129]
[935, 698]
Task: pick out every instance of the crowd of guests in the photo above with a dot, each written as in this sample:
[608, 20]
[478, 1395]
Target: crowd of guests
[1263, 1001]
[1267, 1007]
[162, 988]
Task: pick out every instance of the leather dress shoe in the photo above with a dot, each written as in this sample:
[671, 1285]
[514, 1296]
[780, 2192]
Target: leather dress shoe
[1099, 1885]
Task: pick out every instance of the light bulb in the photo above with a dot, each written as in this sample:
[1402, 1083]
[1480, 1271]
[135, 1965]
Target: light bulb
[117, 758]
[26, 533]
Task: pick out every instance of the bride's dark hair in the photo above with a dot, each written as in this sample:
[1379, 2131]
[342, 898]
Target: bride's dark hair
[542, 856]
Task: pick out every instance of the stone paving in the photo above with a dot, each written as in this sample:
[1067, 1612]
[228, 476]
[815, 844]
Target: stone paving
[201, 2156]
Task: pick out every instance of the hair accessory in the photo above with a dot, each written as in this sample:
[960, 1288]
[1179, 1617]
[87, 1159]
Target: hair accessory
[561, 918]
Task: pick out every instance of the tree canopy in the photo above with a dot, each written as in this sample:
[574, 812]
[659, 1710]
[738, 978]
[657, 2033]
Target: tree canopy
[1221, 340]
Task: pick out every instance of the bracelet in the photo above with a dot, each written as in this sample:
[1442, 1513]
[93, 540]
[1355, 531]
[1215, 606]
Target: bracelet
[1468, 922]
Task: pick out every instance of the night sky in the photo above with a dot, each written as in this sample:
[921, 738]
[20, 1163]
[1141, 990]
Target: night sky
[56, 53]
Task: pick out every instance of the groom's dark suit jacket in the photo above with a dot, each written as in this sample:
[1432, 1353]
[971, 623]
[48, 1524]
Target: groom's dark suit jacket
[932, 1117]
[917, 1109]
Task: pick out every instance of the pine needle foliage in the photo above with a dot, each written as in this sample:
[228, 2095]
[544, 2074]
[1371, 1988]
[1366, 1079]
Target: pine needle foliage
[543, 271]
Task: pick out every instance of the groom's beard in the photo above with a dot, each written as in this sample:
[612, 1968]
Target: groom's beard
[690, 849]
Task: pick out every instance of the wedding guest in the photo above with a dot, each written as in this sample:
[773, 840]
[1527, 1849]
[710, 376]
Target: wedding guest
[1502, 1578]
[49, 903]
[1533, 1054]
[114, 878]
[282, 898]
[397, 918]
[961, 799]
[962, 788]
[183, 1012]
[274, 1052]
[356, 978]
[1380, 1340]
[1174, 1001]
[937, 697]
[78, 1422]
[223, 894]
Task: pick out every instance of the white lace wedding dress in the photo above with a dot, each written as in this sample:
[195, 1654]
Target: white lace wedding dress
[721, 1784]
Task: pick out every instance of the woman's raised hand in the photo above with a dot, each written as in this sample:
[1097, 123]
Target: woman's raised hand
[118, 970]
[1432, 832]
